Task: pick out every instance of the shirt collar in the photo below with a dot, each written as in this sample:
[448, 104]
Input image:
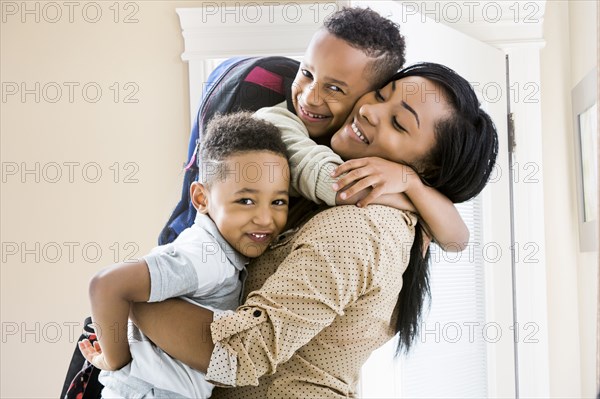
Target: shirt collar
[236, 258]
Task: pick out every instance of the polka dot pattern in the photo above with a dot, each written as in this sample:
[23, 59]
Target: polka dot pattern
[319, 303]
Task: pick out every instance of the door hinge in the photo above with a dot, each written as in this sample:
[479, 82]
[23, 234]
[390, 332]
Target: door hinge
[512, 143]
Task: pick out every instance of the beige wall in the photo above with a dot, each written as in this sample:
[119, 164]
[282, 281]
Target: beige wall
[44, 300]
[582, 28]
[570, 53]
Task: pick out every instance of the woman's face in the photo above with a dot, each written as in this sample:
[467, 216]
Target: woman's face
[395, 123]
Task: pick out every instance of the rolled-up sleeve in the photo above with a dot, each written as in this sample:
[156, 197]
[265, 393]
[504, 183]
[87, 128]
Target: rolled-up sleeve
[330, 265]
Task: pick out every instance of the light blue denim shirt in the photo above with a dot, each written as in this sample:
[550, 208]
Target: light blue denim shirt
[201, 267]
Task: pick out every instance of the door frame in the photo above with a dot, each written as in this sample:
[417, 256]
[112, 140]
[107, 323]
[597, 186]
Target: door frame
[521, 39]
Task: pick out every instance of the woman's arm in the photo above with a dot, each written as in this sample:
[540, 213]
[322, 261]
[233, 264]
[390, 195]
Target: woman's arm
[179, 328]
[111, 292]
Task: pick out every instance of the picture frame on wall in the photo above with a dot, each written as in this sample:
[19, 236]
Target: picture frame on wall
[585, 129]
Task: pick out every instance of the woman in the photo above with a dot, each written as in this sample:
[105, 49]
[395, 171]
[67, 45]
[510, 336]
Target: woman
[341, 285]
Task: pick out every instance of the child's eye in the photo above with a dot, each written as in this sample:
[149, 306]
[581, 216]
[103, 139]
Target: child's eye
[306, 73]
[335, 88]
[280, 202]
[245, 201]
[378, 95]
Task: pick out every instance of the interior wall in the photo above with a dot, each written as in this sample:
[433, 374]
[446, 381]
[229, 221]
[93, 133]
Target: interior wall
[570, 53]
[584, 57]
[94, 121]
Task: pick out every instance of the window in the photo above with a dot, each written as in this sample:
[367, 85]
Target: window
[451, 349]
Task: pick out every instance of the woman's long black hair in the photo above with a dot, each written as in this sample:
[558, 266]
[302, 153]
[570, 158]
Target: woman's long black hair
[458, 166]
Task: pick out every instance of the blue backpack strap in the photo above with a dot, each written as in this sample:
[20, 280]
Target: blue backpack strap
[211, 82]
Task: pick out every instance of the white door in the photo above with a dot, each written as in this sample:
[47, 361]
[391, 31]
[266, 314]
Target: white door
[465, 347]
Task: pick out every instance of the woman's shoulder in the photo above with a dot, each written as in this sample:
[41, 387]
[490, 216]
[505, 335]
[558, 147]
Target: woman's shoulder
[370, 214]
[352, 221]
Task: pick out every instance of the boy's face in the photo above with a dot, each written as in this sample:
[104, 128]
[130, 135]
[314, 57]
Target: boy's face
[249, 201]
[331, 78]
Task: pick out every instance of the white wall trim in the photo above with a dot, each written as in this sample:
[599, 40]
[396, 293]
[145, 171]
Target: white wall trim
[487, 21]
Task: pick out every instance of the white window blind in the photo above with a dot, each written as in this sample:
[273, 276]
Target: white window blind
[449, 358]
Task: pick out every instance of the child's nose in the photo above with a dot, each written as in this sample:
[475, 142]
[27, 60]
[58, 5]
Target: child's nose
[263, 216]
[312, 95]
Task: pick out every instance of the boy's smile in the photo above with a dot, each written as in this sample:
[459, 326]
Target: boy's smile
[330, 80]
[248, 201]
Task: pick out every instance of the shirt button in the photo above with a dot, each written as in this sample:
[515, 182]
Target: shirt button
[257, 313]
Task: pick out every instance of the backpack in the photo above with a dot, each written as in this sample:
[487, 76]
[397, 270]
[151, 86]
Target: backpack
[81, 381]
[237, 84]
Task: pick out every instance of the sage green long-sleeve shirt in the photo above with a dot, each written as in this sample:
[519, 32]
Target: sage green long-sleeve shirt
[310, 164]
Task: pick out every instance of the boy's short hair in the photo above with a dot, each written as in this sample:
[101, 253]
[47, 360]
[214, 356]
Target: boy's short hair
[376, 36]
[233, 134]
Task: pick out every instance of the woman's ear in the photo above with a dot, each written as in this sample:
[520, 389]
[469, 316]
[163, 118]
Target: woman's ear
[199, 196]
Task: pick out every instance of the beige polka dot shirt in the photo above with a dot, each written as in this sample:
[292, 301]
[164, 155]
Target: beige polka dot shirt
[321, 300]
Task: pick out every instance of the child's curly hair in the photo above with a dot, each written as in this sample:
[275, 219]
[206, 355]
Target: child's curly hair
[236, 133]
[376, 36]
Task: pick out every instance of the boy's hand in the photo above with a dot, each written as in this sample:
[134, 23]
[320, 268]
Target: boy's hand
[93, 354]
[385, 177]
